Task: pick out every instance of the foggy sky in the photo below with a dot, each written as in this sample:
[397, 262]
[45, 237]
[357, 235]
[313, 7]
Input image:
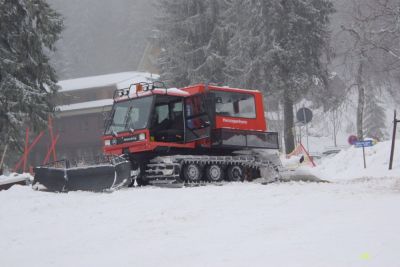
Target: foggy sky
[102, 36]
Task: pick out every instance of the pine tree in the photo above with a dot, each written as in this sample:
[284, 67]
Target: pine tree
[246, 46]
[279, 46]
[193, 41]
[29, 29]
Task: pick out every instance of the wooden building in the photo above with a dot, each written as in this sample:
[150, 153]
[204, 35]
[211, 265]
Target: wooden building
[83, 107]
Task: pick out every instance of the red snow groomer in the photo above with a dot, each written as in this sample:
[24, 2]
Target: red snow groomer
[193, 134]
[171, 137]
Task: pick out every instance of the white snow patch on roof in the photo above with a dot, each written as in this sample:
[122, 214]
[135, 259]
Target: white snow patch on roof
[86, 105]
[120, 80]
[177, 91]
[169, 91]
[173, 91]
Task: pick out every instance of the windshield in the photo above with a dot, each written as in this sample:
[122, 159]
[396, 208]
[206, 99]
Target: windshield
[130, 115]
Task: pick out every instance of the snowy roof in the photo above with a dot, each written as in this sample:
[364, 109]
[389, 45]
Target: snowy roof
[86, 105]
[120, 80]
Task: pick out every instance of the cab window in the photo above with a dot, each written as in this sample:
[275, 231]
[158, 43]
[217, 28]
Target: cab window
[162, 113]
[230, 104]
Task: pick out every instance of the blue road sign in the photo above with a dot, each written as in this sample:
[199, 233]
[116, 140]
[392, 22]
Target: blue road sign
[365, 143]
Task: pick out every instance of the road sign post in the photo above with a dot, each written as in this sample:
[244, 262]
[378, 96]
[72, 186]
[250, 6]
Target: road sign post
[395, 121]
[364, 144]
[304, 115]
[365, 163]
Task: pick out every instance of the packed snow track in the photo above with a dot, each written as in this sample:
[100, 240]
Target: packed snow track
[346, 223]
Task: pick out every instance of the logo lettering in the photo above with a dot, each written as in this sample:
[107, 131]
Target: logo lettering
[235, 121]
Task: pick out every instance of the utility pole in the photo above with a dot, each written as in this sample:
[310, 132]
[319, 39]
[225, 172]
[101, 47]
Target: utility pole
[395, 121]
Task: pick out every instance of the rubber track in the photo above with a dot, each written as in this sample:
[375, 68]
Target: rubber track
[158, 168]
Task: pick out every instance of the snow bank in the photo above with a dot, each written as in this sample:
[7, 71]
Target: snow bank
[15, 177]
[348, 164]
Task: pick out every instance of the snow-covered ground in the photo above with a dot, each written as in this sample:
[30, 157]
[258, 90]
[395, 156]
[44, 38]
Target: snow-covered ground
[13, 177]
[353, 221]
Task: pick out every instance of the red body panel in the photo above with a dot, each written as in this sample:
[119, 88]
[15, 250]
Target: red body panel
[140, 146]
[256, 124]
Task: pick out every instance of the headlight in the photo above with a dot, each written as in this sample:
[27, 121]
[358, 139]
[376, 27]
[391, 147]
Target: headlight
[142, 137]
[107, 142]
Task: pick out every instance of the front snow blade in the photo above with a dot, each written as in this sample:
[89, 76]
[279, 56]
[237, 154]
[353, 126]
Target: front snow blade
[91, 178]
[95, 178]
[50, 179]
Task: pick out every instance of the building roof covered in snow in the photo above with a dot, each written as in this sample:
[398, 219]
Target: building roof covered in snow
[119, 80]
[88, 94]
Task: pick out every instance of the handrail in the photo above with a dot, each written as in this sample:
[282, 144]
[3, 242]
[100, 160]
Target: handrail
[145, 86]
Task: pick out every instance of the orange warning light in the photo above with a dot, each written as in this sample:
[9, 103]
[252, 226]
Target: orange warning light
[139, 88]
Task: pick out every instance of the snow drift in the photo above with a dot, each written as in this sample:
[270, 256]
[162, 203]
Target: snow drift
[348, 164]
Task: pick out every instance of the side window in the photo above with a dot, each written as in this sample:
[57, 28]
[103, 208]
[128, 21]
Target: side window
[231, 104]
[162, 113]
[197, 120]
[177, 107]
[177, 113]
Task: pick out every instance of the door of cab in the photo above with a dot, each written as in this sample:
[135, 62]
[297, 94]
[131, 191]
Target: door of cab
[198, 123]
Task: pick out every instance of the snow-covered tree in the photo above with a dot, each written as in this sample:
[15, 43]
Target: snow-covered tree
[29, 29]
[331, 96]
[375, 117]
[193, 41]
[279, 47]
[247, 47]
[369, 47]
